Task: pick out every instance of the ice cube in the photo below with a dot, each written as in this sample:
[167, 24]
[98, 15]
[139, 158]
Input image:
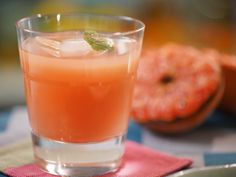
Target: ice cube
[49, 46]
[53, 44]
[74, 47]
[124, 45]
[51, 52]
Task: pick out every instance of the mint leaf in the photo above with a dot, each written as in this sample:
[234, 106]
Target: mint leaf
[97, 42]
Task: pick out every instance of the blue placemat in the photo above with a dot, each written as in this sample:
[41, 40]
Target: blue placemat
[219, 158]
[4, 119]
[134, 132]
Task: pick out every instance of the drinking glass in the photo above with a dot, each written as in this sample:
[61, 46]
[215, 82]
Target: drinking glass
[79, 72]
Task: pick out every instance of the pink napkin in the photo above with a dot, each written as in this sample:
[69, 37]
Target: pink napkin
[139, 161]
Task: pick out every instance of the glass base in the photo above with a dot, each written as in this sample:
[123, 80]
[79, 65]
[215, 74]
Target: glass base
[78, 159]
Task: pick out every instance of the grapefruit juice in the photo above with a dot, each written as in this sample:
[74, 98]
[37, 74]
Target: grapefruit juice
[79, 73]
[77, 98]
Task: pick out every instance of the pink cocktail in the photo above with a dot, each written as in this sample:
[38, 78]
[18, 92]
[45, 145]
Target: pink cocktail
[78, 87]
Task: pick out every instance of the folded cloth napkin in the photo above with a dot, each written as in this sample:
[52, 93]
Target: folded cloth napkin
[138, 161]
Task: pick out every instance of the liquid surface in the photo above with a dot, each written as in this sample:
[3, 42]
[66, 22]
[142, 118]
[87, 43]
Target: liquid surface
[75, 94]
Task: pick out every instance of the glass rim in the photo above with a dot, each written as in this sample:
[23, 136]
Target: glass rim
[117, 17]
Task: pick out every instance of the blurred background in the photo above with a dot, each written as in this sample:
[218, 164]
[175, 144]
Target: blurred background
[202, 23]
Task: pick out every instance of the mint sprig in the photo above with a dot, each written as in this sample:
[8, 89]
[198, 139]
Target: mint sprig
[97, 42]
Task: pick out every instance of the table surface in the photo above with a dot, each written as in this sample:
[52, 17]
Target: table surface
[213, 143]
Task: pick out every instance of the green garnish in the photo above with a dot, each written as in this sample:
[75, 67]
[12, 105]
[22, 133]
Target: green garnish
[97, 42]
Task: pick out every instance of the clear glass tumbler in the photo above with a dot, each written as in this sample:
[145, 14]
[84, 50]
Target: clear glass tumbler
[79, 72]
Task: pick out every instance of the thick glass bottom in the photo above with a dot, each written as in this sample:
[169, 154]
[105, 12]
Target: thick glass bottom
[78, 159]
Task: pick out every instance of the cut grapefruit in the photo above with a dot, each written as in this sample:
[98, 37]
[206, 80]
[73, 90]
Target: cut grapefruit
[176, 88]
